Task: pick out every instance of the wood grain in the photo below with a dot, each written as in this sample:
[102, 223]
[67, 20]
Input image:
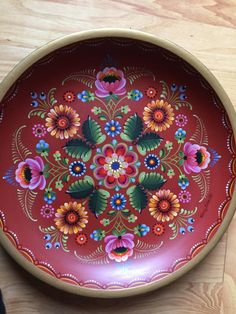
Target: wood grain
[207, 29]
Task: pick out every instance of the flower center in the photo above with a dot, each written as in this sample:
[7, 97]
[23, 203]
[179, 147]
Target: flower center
[113, 128]
[115, 165]
[152, 161]
[164, 206]
[120, 250]
[63, 122]
[47, 211]
[158, 115]
[27, 174]
[111, 78]
[118, 201]
[72, 217]
[200, 157]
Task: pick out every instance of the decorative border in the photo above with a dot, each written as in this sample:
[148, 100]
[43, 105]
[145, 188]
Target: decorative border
[46, 50]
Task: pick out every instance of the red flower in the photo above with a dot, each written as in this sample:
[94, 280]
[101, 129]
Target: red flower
[81, 239]
[69, 96]
[115, 165]
[151, 92]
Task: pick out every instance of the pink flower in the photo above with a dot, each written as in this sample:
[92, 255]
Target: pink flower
[181, 120]
[184, 196]
[119, 248]
[29, 173]
[196, 158]
[39, 130]
[110, 81]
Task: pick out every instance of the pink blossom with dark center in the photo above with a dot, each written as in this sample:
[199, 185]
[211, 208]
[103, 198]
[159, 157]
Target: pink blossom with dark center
[196, 158]
[29, 173]
[119, 248]
[110, 81]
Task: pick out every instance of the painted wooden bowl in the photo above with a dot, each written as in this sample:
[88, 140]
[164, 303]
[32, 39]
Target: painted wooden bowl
[117, 163]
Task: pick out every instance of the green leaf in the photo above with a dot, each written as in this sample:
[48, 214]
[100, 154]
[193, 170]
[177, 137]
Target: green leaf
[115, 232]
[137, 197]
[125, 212]
[102, 117]
[181, 162]
[78, 149]
[37, 112]
[125, 137]
[151, 181]
[181, 154]
[93, 132]
[163, 168]
[112, 213]
[123, 232]
[46, 175]
[65, 161]
[148, 142]
[66, 177]
[133, 128]
[162, 153]
[98, 201]
[46, 167]
[50, 229]
[81, 188]
[119, 116]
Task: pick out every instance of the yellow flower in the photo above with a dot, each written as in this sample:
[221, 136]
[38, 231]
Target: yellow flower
[158, 115]
[71, 218]
[62, 122]
[164, 205]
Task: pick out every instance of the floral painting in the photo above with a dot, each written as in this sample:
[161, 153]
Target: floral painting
[114, 165]
[114, 142]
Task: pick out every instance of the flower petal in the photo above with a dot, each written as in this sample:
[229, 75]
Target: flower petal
[121, 149]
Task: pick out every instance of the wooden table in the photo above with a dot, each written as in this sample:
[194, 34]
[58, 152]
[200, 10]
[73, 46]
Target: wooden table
[207, 29]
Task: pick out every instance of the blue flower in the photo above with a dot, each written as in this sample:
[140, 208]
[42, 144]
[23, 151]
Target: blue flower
[42, 148]
[77, 168]
[49, 196]
[34, 103]
[48, 246]
[33, 95]
[183, 182]
[47, 237]
[42, 96]
[151, 161]
[97, 234]
[113, 128]
[141, 230]
[180, 135]
[135, 95]
[118, 201]
[85, 96]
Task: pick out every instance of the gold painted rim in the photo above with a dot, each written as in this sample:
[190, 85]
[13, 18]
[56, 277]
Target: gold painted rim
[210, 78]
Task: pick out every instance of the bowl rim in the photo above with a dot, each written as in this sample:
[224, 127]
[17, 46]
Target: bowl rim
[44, 50]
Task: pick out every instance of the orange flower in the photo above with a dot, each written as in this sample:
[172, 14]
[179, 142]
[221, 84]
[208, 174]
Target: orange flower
[158, 229]
[81, 239]
[164, 205]
[158, 115]
[62, 122]
[71, 218]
